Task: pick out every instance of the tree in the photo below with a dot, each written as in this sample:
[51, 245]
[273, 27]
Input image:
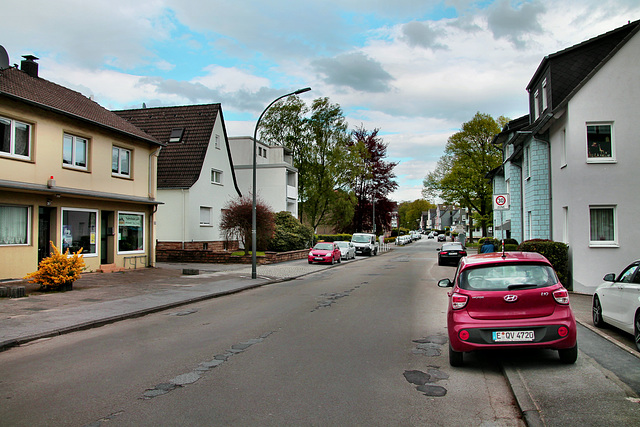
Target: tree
[459, 176]
[410, 213]
[318, 145]
[372, 180]
[236, 222]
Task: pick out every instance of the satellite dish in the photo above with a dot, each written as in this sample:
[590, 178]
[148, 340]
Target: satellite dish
[4, 58]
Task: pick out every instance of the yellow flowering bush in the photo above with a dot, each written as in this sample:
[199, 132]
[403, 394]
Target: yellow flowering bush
[58, 269]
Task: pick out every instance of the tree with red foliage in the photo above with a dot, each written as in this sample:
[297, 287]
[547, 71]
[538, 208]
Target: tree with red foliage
[236, 222]
[374, 182]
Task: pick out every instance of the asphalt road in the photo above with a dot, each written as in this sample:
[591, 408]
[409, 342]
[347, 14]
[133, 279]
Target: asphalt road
[360, 344]
[363, 343]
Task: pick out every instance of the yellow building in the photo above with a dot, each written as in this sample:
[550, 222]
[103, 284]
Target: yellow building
[73, 173]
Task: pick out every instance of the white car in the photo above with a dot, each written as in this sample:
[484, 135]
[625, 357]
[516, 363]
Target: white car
[347, 249]
[617, 301]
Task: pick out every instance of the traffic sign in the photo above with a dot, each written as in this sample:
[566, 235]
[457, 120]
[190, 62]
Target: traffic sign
[500, 202]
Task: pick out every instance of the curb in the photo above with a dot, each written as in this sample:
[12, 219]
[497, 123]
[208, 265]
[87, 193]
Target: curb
[528, 408]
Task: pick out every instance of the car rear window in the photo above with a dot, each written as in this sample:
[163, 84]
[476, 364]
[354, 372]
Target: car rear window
[502, 277]
[325, 246]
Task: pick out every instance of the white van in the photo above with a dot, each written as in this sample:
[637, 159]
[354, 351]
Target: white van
[365, 243]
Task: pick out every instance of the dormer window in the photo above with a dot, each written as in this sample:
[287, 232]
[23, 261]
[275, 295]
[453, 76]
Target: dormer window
[544, 95]
[536, 105]
[176, 135]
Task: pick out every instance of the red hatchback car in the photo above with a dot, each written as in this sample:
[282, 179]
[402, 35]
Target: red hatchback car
[508, 300]
[325, 252]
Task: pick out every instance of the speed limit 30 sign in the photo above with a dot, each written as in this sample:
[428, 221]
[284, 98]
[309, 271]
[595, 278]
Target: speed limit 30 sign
[500, 201]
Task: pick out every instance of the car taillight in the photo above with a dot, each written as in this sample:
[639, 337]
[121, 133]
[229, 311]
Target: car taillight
[443, 253]
[463, 253]
[458, 301]
[563, 331]
[463, 335]
[561, 296]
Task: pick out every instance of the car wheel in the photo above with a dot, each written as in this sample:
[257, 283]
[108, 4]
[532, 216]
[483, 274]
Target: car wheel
[439, 262]
[637, 330]
[310, 262]
[339, 260]
[455, 357]
[597, 313]
[569, 355]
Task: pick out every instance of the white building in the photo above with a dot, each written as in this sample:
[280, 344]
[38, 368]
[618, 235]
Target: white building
[195, 173]
[277, 179]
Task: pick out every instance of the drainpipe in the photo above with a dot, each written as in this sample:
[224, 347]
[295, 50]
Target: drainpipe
[152, 194]
[521, 199]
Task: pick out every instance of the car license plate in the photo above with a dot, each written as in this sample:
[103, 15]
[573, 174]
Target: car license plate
[513, 336]
[318, 258]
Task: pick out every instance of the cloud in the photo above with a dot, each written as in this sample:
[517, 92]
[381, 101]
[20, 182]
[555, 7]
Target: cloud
[421, 35]
[515, 25]
[354, 70]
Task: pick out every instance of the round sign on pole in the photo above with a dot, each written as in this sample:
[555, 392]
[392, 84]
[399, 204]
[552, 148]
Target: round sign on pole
[500, 201]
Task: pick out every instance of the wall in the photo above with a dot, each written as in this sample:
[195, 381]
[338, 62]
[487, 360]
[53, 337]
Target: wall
[613, 94]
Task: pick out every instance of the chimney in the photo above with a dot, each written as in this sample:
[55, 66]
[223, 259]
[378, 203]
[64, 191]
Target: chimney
[29, 65]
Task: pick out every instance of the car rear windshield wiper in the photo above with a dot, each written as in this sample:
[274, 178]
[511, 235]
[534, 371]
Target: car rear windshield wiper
[522, 286]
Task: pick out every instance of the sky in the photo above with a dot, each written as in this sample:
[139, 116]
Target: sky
[414, 69]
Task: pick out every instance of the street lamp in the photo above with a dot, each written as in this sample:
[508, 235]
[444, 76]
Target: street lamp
[253, 206]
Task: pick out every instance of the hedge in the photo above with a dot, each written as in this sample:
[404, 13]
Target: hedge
[556, 252]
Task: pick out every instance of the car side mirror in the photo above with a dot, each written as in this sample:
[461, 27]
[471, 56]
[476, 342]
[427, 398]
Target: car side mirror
[611, 277]
[445, 283]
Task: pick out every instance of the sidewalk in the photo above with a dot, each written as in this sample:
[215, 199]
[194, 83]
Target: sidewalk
[101, 298]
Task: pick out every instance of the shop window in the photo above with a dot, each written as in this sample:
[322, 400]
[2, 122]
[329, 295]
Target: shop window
[130, 232]
[79, 231]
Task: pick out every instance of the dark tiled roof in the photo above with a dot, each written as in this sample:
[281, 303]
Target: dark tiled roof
[179, 164]
[19, 85]
[570, 67]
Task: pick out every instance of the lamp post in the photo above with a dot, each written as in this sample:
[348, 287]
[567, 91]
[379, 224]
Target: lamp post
[253, 206]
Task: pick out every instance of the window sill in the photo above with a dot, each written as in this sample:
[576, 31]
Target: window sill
[596, 160]
[76, 168]
[603, 245]
[113, 175]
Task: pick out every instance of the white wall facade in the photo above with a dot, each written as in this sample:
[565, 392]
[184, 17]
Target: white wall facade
[276, 178]
[611, 96]
[179, 219]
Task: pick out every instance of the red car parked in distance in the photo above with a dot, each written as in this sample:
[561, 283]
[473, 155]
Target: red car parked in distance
[508, 300]
[325, 252]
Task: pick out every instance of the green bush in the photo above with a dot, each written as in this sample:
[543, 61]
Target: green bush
[332, 237]
[556, 252]
[290, 234]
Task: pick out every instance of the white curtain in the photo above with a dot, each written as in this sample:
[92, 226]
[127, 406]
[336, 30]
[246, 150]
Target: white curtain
[602, 224]
[13, 225]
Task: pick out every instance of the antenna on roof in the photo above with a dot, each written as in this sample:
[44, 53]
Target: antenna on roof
[4, 58]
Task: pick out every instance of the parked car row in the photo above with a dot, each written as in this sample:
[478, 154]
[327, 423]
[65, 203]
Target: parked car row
[332, 252]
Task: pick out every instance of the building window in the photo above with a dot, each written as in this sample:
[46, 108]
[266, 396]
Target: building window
[600, 144]
[121, 162]
[536, 104]
[216, 176]
[217, 142]
[75, 151]
[176, 135]
[15, 138]
[79, 231]
[544, 94]
[130, 232]
[205, 215]
[14, 225]
[602, 220]
[565, 224]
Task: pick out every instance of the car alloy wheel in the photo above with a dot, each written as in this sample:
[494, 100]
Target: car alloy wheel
[597, 313]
